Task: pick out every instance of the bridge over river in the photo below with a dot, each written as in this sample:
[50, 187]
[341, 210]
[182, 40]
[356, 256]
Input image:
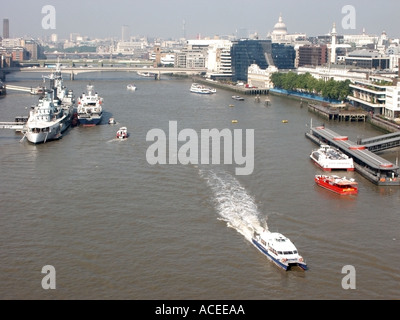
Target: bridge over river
[74, 71]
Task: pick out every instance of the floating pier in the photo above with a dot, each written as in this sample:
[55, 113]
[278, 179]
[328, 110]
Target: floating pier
[373, 167]
[239, 89]
[338, 112]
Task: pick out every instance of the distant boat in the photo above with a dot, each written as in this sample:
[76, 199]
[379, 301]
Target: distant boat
[198, 88]
[146, 74]
[122, 133]
[112, 121]
[239, 98]
[131, 87]
[38, 90]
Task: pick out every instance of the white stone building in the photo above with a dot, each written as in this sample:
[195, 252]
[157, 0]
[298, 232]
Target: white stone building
[392, 103]
[260, 78]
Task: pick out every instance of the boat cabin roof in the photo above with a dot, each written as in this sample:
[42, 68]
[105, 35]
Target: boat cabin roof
[278, 241]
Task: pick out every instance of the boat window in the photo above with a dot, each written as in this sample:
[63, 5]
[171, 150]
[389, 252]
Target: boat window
[279, 252]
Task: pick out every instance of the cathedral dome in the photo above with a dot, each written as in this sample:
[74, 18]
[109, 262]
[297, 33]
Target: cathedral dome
[280, 27]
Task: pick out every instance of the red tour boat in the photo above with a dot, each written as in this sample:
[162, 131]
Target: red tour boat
[342, 186]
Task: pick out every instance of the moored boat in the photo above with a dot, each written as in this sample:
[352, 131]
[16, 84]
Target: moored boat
[131, 87]
[279, 249]
[39, 90]
[47, 120]
[146, 74]
[330, 158]
[122, 133]
[90, 110]
[339, 185]
[54, 112]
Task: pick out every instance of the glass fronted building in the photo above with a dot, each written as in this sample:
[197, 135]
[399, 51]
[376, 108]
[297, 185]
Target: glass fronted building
[262, 53]
[247, 52]
[283, 55]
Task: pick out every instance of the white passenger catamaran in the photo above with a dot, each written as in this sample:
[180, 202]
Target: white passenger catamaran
[279, 249]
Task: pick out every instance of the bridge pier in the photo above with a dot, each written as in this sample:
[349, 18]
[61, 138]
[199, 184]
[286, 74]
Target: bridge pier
[72, 78]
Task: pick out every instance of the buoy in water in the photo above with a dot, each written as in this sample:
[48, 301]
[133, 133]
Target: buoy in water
[285, 121]
[234, 121]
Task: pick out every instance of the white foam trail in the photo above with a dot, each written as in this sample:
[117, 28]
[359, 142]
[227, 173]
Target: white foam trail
[233, 204]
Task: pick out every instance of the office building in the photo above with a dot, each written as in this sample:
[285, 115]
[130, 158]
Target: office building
[367, 59]
[247, 52]
[312, 55]
[283, 55]
[6, 28]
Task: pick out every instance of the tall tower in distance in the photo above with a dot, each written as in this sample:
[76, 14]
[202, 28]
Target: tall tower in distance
[6, 29]
[333, 43]
[184, 29]
[125, 33]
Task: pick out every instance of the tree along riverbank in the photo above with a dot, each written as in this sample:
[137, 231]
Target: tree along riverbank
[306, 83]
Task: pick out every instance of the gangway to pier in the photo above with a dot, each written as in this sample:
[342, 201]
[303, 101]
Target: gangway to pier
[19, 88]
[382, 142]
[12, 125]
[371, 166]
[17, 125]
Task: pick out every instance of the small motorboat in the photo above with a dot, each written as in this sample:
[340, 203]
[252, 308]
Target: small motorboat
[122, 133]
[239, 98]
[112, 121]
[131, 87]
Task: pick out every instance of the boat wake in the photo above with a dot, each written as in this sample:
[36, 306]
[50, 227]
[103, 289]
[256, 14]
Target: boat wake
[233, 204]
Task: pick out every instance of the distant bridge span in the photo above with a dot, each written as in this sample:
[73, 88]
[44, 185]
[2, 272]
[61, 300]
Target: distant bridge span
[73, 71]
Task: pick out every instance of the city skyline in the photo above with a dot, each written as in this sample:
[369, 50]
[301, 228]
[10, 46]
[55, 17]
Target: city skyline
[176, 18]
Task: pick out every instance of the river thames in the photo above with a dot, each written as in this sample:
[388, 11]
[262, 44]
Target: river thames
[116, 227]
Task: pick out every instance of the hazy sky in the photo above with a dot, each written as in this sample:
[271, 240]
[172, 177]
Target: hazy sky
[164, 18]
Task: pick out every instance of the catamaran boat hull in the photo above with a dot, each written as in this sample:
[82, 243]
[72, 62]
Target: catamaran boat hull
[285, 258]
[329, 158]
